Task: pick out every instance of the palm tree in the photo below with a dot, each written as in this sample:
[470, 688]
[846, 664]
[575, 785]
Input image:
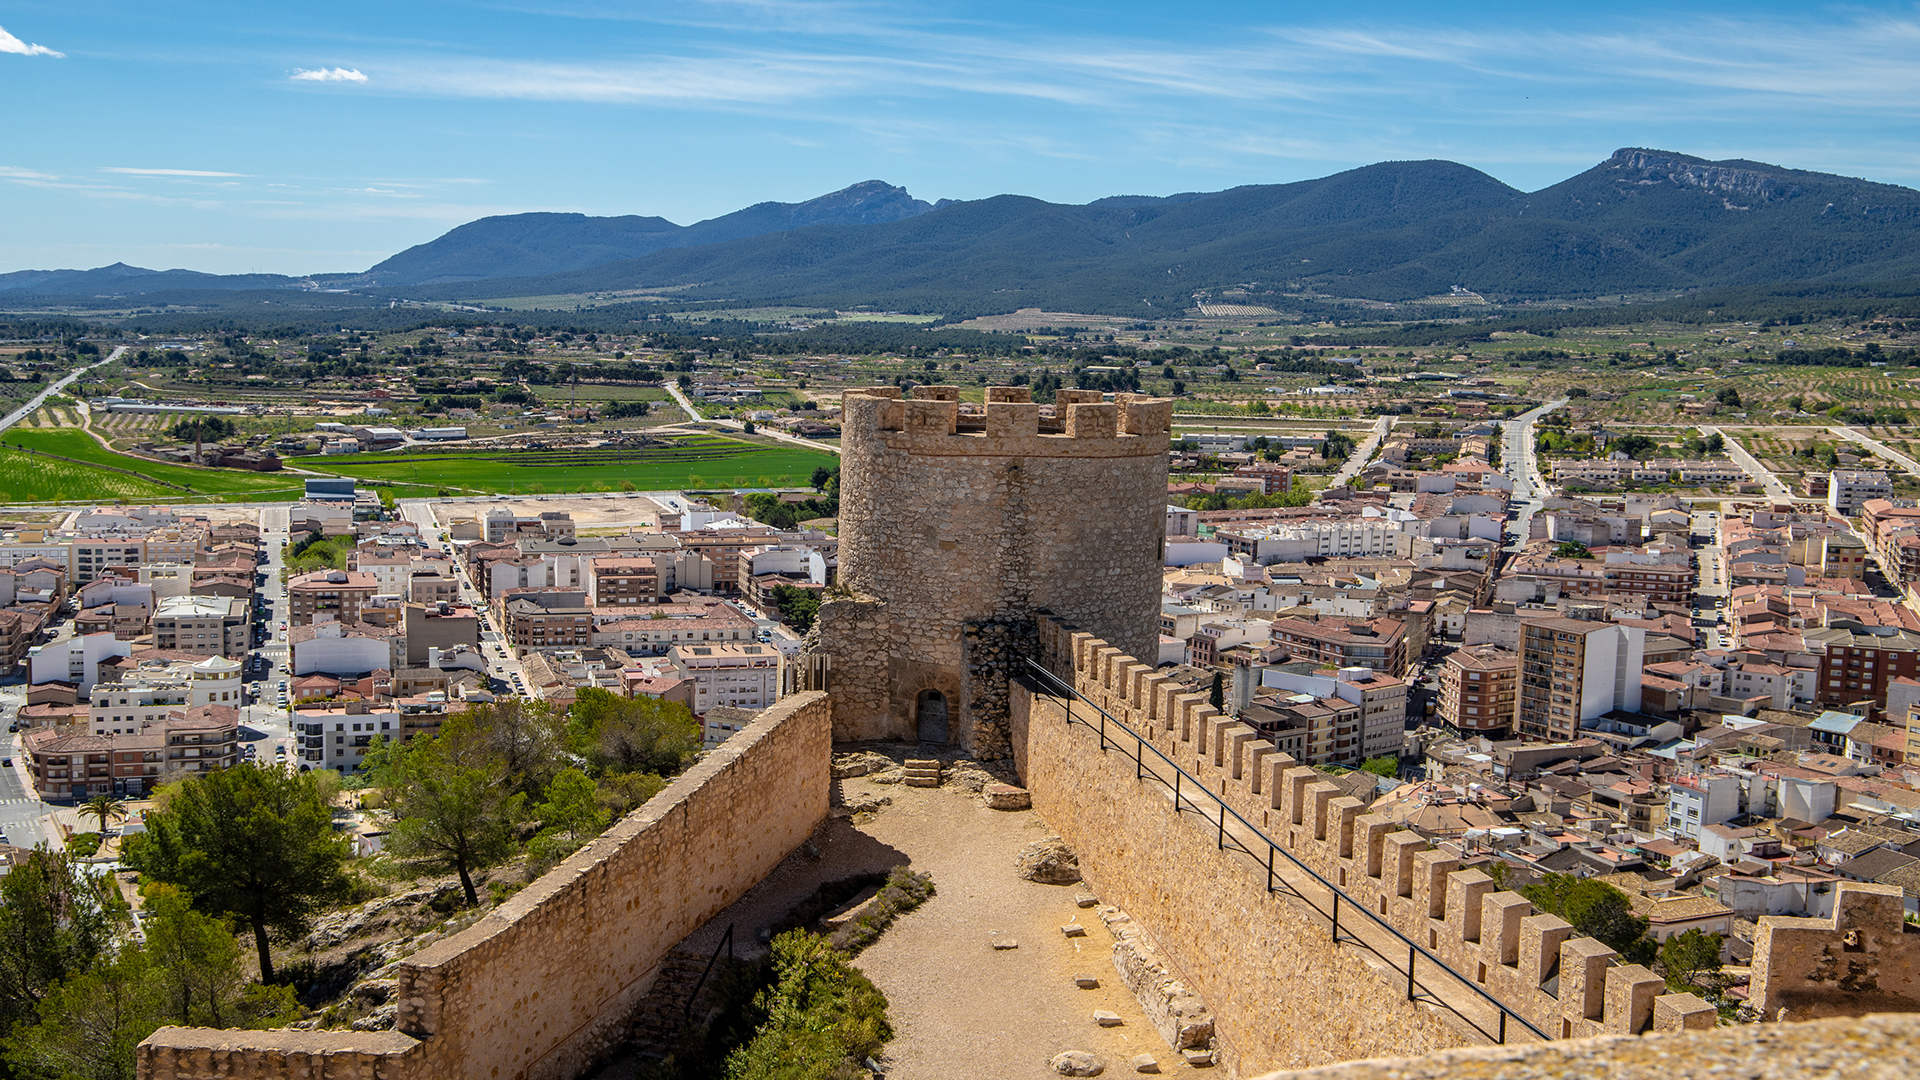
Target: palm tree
[104, 807]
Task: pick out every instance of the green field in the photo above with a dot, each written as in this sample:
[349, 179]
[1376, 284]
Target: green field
[696, 461]
[26, 477]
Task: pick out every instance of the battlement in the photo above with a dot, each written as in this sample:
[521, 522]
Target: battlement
[1862, 960]
[1084, 425]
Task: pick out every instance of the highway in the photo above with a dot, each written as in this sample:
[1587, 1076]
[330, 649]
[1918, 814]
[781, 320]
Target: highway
[1774, 485]
[1364, 452]
[1518, 460]
[24, 411]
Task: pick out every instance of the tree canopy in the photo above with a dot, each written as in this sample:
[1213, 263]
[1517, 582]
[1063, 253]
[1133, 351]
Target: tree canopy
[251, 842]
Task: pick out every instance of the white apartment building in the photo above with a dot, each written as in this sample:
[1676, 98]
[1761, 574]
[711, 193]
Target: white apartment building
[1849, 489]
[1387, 535]
[1699, 800]
[147, 695]
[124, 708]
[742, 676]
[74, 659]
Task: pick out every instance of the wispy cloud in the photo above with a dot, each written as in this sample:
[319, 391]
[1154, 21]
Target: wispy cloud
[11, 44]
[166, 172]
[338, 74]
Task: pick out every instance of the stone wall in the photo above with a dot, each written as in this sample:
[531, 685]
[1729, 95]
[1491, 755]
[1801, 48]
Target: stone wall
[1281, 994]
[1865, 958]
[1871, 1048]
[965, 526]
[1221, 928]
[545, 983]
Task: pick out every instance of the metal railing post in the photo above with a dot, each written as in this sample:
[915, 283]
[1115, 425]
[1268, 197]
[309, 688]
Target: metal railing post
[1270, 869]
[1223, 824]
[1503, 1027]
[1411, 953]
[1336, 917]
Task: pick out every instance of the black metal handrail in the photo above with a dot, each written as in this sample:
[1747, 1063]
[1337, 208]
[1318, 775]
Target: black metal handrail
[726, 942]
[1414, 948]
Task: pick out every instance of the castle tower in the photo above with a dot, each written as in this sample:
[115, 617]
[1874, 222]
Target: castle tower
[955, 529]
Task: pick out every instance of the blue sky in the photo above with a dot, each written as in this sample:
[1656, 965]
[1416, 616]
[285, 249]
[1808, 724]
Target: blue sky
[318, 137]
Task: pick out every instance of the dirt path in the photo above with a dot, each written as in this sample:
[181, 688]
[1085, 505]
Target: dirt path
[962, 1009]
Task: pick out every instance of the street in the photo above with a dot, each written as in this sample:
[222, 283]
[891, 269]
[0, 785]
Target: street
[264, 724]
[1775, 487]
[24, 411]
[1517, 459]
[1364, 452]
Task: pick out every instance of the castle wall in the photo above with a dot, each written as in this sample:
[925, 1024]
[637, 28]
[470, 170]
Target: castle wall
[545, 983]
[966, 527]
[1872, 1048]
[1283, 996]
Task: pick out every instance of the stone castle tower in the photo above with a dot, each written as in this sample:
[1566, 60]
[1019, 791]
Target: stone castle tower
[955, 530]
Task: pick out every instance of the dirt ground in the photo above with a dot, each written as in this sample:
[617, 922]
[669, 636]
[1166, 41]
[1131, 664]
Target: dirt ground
[617, 512]
[961, 1008]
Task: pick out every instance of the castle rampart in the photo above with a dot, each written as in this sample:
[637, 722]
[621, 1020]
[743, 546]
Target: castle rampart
[546, 983]
[1193, 897]
[964, 525]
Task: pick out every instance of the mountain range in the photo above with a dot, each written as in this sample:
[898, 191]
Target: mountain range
[1642, 221]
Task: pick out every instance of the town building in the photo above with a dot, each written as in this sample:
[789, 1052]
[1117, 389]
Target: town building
[745, 676]
[1573, 670]
[1848, 490]
[1478, 690]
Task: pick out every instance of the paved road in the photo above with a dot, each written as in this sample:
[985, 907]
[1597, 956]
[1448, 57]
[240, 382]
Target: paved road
[1517, 458]
[502, 670]
[22, 412]
[777, 436]
[1364, 452]
[265, 724]
[1774, 485]
[1878, 447]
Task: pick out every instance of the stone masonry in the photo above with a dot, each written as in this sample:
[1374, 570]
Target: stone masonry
[954, 530]
[1284, 997]
[547, 982]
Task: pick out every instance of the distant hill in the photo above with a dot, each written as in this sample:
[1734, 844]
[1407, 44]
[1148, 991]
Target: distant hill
[1643, 221]
[526, 245]
[121, 278]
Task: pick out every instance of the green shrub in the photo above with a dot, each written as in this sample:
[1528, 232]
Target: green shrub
[823, 1016]
[904, 891]
[83, 845]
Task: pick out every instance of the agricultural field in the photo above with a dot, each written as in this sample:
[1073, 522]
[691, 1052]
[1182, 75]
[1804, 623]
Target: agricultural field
[690, 462]
[26, 476]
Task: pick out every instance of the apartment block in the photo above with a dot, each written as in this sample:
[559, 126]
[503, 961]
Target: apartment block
[1849, 489]
[1479, 686]
[204, 625]
[330, 594]
[1573, 670]
[1857, 662]
[742, 676]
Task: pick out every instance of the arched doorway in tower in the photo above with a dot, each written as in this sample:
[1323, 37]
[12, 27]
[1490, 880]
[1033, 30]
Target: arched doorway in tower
[930, 715]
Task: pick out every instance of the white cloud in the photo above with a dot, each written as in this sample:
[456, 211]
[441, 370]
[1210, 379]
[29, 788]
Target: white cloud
[167, 172]
[11, 44]
[329, 75]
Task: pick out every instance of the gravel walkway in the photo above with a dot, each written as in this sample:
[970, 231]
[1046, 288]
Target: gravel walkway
[962, 1010]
